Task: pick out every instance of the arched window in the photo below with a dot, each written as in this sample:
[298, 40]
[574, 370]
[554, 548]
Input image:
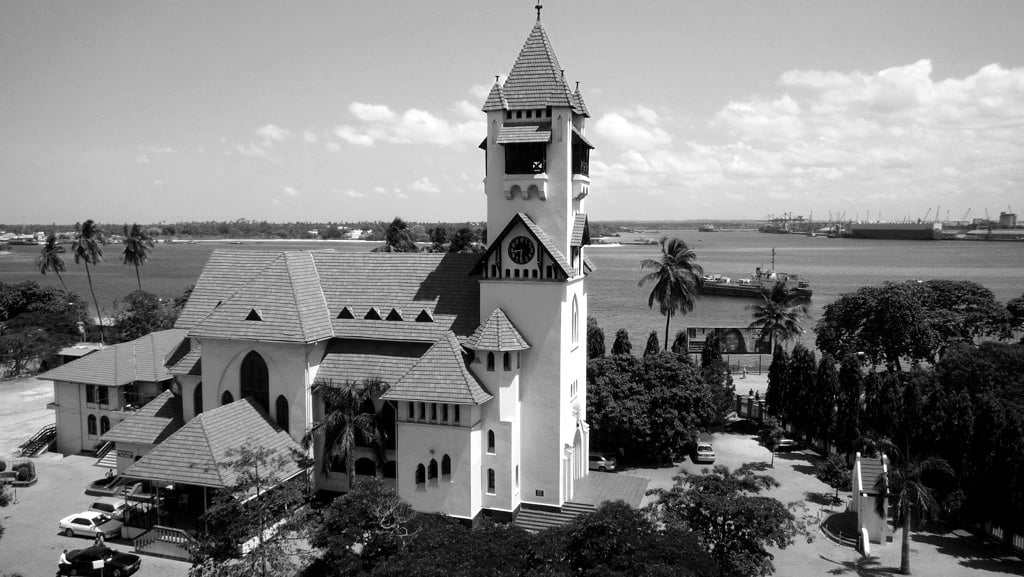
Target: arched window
[387, 425]
[197, 398]
[255, 380]
[490, 441]
[365, 467]
[104, 424]
[490, 361]
[91, 423]
[575, 320]
[490, 481]
[421, 474]
[390, 470]
[226, 398]
[281, 411]
[506, 361]
[432, 470]
[549, 271]
[446, 467]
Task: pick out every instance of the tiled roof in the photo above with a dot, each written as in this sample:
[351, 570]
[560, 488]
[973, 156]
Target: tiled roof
[359, 360]
[283, 303]
[124, 363]
[440, 376]
[588, 265]
[223, 275]
[186, 359]
[580, 104]
[513, 133]
[580, 230]
[536, 79]
[497, 334]
[495, 99]
[541, 236]
[439, 282]
[577, 134]
[198, 453]
[150, 424]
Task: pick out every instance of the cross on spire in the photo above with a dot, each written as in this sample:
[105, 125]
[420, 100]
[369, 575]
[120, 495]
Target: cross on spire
[538, 7]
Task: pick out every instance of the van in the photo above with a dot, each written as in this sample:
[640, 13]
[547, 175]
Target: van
[602, 461]
[112, 506]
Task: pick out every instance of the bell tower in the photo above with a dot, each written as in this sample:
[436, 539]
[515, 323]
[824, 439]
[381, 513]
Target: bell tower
[534, 271]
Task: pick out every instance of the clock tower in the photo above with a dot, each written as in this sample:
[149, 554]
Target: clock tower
[533, 273]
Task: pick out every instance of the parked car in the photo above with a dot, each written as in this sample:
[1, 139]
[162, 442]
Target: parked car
[115, 563]
[704, 453]
[112, 506]
[786, 445]
[602, 461]
[90, 524]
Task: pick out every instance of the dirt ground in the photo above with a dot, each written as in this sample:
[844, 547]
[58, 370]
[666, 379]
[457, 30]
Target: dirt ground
[23, 411]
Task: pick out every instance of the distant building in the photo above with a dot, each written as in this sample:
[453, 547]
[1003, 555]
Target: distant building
[1007, 220]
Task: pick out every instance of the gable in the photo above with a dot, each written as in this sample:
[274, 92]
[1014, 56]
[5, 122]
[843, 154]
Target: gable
[497, 258]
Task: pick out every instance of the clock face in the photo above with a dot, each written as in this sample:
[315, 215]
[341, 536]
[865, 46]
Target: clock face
[521, 250]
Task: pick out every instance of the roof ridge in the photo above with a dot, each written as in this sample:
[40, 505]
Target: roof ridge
[206, 439]
[280, 254]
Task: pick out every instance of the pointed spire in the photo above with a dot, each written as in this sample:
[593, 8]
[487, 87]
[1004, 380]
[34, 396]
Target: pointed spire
[579, 106]
[536, 79]
[538, 7]
[496, 98]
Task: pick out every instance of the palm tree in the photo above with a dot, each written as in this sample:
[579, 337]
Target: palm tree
[905, 488]
[49, 259]
[677, 280]
[137, 245]
[344, 419]
[778, 317]
[87, 249]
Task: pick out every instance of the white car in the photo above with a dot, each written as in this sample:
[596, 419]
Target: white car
[90, 524]
[704, 453]
[112, 506]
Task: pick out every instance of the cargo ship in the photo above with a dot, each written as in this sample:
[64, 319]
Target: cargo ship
[896, 230]
[760, 284]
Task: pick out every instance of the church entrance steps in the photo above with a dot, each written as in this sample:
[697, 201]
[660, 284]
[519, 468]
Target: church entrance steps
[535, 520]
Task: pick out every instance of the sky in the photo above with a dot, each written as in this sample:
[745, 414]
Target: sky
[146, 111]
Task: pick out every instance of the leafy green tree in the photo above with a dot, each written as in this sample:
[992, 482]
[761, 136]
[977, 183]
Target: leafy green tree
[777, 319]
[825, 397]
[50, 259]
[259, 500]
[595, 339]
[35, 322]
[142, 313]
[1015, 308]
[464, 240]
[438, 239]
[960, 311]
[652, 347]
[770, 433]
[798, 398]
[715, 372]
[833, 471]
[681, 344]
[734, 524]
[711, 354]
[622, 346]
[677, 280]
[137, 244]
[777, 375]
[344, 420]
[847, 428]
[650, 408]
[398, 238]
[886, 323]
[88, 249]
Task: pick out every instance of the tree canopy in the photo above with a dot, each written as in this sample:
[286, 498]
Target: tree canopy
[677, 280]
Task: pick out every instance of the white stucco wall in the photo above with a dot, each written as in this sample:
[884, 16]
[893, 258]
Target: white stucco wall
[418, 443]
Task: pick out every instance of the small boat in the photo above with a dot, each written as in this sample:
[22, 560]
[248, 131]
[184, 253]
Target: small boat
[707, 228]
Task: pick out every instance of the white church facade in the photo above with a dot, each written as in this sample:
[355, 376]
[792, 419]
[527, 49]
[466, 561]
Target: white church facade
[483, 356]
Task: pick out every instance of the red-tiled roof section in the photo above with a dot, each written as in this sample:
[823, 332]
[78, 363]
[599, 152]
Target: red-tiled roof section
[580, 230]
[495, 99]
[588, 265]
[580, 103]
[288, 303]
[440, 376]
[536, 79]
[186, 359]
[439, 282]
[141, 360]
[198, 453]
[498, 334]
[225, 273]
[151, 424]
[349, 361]
[514, 133]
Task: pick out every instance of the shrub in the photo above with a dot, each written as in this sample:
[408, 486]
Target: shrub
[24, 474]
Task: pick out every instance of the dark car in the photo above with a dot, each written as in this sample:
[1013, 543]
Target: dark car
[84, 562]
[786, 445]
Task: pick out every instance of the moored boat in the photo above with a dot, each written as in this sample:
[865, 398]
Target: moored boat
[897, 230]
[760, 284]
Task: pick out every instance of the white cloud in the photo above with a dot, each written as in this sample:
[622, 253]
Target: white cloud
[309, 137]
[633, 129]
[424, 185]
[352, 136]
[159, 150]
[371, 112]
[351, 193]
[290, 191]
[251, 150]
[142, 159]
[332, 146]
[271, 134]
[158, 183]
[467, 110]
[379, 190]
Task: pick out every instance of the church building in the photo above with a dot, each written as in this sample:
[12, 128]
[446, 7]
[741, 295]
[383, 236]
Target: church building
[483, 357]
